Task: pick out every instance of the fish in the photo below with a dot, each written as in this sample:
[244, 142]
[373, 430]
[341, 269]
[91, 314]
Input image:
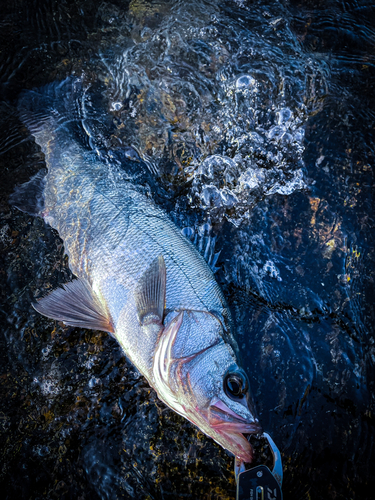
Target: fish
[136, 276]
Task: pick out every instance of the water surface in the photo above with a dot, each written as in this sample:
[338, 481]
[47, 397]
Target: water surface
[252, 124]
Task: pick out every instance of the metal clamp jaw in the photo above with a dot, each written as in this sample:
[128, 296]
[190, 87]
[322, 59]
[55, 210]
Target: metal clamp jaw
[259, 483]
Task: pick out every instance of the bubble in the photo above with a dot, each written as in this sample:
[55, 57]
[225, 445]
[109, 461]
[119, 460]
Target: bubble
[283, 115]
[90, 362]
[211, 196]
[246, 82]
[188, 232]
[255, 138]
[271, 270]
[276, 133]
[93, 382]
[116, 106]
[252, 178]
[229, 199]
[204, 229]
[296, 183]
[46, 350]
[215, 164]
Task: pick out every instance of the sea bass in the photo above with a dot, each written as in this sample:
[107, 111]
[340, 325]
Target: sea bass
[138, 278]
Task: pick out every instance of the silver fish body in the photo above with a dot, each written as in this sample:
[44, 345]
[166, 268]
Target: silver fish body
[142, 280]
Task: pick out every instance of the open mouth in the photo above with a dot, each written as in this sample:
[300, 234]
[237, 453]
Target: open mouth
[240, 444]
[235, 429]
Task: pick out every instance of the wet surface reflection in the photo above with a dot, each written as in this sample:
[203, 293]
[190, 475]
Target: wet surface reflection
[252, 125]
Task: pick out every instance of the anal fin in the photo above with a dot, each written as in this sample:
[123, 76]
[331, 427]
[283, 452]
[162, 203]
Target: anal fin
[76, 304]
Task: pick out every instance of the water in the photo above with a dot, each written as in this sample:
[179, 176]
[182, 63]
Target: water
[252, 124]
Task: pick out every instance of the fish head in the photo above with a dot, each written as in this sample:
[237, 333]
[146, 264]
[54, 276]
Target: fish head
[197, 374]
[231, 414]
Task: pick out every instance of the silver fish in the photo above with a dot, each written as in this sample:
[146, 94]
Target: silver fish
[140, 279]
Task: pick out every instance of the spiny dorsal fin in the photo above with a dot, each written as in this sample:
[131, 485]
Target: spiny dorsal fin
[204, 243]
[76, 304]
[150, 294]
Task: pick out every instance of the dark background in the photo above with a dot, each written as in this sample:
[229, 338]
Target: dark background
[77, 421]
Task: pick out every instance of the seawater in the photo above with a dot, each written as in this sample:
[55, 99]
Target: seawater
[252, 124]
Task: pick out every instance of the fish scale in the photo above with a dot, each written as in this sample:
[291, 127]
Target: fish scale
[114, 231]
[139, 278]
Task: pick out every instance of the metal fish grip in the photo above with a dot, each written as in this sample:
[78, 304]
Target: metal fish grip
[259, 483]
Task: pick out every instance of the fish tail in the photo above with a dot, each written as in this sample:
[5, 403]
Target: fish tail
[49, 109]
[28, 197]
[48, 112]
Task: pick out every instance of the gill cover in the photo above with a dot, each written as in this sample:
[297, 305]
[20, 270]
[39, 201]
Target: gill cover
[194, 370]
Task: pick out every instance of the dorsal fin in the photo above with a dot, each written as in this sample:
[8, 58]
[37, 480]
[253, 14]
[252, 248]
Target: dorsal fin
[204, 243]
[76, 304]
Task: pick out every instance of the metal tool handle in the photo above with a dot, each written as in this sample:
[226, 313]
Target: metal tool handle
[259, 483]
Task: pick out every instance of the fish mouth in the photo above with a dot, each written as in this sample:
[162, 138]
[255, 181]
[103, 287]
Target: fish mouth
[237, 437]
[235, 432]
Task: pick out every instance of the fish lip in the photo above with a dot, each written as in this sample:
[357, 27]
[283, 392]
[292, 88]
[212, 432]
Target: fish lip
[238, 427]
[221, 416]
[240, 445]
[223, 412]
[257, 431]
[235, 430]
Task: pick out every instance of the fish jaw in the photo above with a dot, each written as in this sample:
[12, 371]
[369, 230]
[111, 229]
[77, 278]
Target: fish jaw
[230, 430]
[173, 382]
[234, 439]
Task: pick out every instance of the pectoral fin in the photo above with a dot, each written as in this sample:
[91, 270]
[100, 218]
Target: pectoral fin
[76, 304]
[150, 293]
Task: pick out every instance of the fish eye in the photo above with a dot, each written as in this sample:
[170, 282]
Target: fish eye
[235, 385]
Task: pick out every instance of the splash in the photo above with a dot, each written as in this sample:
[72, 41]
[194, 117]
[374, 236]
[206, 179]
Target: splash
[219, 106]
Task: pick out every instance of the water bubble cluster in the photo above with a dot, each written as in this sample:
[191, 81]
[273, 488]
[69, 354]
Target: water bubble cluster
[226, 106]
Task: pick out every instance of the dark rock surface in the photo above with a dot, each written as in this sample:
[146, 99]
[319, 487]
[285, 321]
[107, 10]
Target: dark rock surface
[77, 421]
